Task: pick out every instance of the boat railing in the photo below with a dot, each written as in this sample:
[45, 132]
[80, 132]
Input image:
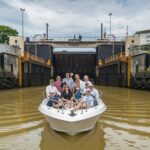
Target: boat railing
[101, 94]
[44, 95]
[62, 107]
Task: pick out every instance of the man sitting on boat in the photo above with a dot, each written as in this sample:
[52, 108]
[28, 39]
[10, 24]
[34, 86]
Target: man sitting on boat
[94, 91]
[54, 100]
[86, 80]
[86, 86]
[86, 102]
[52, 87]
[68, 81]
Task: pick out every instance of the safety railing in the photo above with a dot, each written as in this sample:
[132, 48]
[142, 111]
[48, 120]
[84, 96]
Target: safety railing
[116, 57]
[28, 57]
[62, 108]
[73, 103]
[77, 39]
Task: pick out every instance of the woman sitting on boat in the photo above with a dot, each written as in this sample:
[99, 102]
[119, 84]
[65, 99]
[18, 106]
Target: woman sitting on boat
[77, 94]
[52, 87]
[86, 102]
[67, 97]
[58, 84]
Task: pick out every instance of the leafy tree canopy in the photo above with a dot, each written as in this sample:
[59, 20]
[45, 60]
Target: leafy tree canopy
[5, 32]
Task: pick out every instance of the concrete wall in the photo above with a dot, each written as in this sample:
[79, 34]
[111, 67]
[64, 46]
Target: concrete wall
[11, 64]
[138, 64]
[1, 62]
[8, 49]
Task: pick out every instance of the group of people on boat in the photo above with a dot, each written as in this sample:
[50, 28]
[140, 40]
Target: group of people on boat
[70, 93]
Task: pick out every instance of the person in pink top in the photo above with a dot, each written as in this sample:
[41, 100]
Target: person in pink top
[58, 84]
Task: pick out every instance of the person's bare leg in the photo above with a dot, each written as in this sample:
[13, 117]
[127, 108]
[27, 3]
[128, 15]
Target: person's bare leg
[79, 105]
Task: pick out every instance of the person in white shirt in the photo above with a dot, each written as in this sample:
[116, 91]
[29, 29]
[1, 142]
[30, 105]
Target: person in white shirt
[94, 91]
[86, 86]
[86, 79]
[79, 83]
[52, 87]
[86, 102]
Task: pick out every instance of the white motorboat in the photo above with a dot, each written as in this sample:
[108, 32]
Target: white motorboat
[62, 120]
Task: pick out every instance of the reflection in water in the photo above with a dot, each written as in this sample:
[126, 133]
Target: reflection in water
[126, 123]
[124, 126]
[84, 141]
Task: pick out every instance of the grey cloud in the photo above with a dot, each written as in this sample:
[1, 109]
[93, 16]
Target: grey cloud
[77, 16]
[8, 13]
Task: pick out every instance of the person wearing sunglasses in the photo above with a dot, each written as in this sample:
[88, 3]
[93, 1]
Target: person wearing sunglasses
[67, 96]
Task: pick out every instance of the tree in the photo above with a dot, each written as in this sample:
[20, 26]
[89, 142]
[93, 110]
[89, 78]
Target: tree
[5, 32]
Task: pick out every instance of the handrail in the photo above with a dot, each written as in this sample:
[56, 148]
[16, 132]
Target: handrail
[84, 38]
[28, 57]
[72, 103]
[119, 56]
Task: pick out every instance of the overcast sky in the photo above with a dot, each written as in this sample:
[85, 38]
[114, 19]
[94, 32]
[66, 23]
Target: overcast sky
[69, 17]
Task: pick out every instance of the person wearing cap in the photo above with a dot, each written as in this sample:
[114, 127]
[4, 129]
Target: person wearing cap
[86, 102]
[68, 81]
[94, 91]
[54, 99]
[52, 87]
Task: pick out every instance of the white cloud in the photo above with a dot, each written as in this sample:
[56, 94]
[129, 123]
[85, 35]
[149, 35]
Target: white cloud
[68, 17]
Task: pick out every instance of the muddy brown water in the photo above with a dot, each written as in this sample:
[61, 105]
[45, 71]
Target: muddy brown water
[124, 126]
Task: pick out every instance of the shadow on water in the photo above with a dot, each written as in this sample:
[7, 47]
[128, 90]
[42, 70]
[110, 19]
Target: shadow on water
[89, 140]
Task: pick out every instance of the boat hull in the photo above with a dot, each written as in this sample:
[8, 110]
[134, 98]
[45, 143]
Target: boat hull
[62, 120]
[72, 128]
